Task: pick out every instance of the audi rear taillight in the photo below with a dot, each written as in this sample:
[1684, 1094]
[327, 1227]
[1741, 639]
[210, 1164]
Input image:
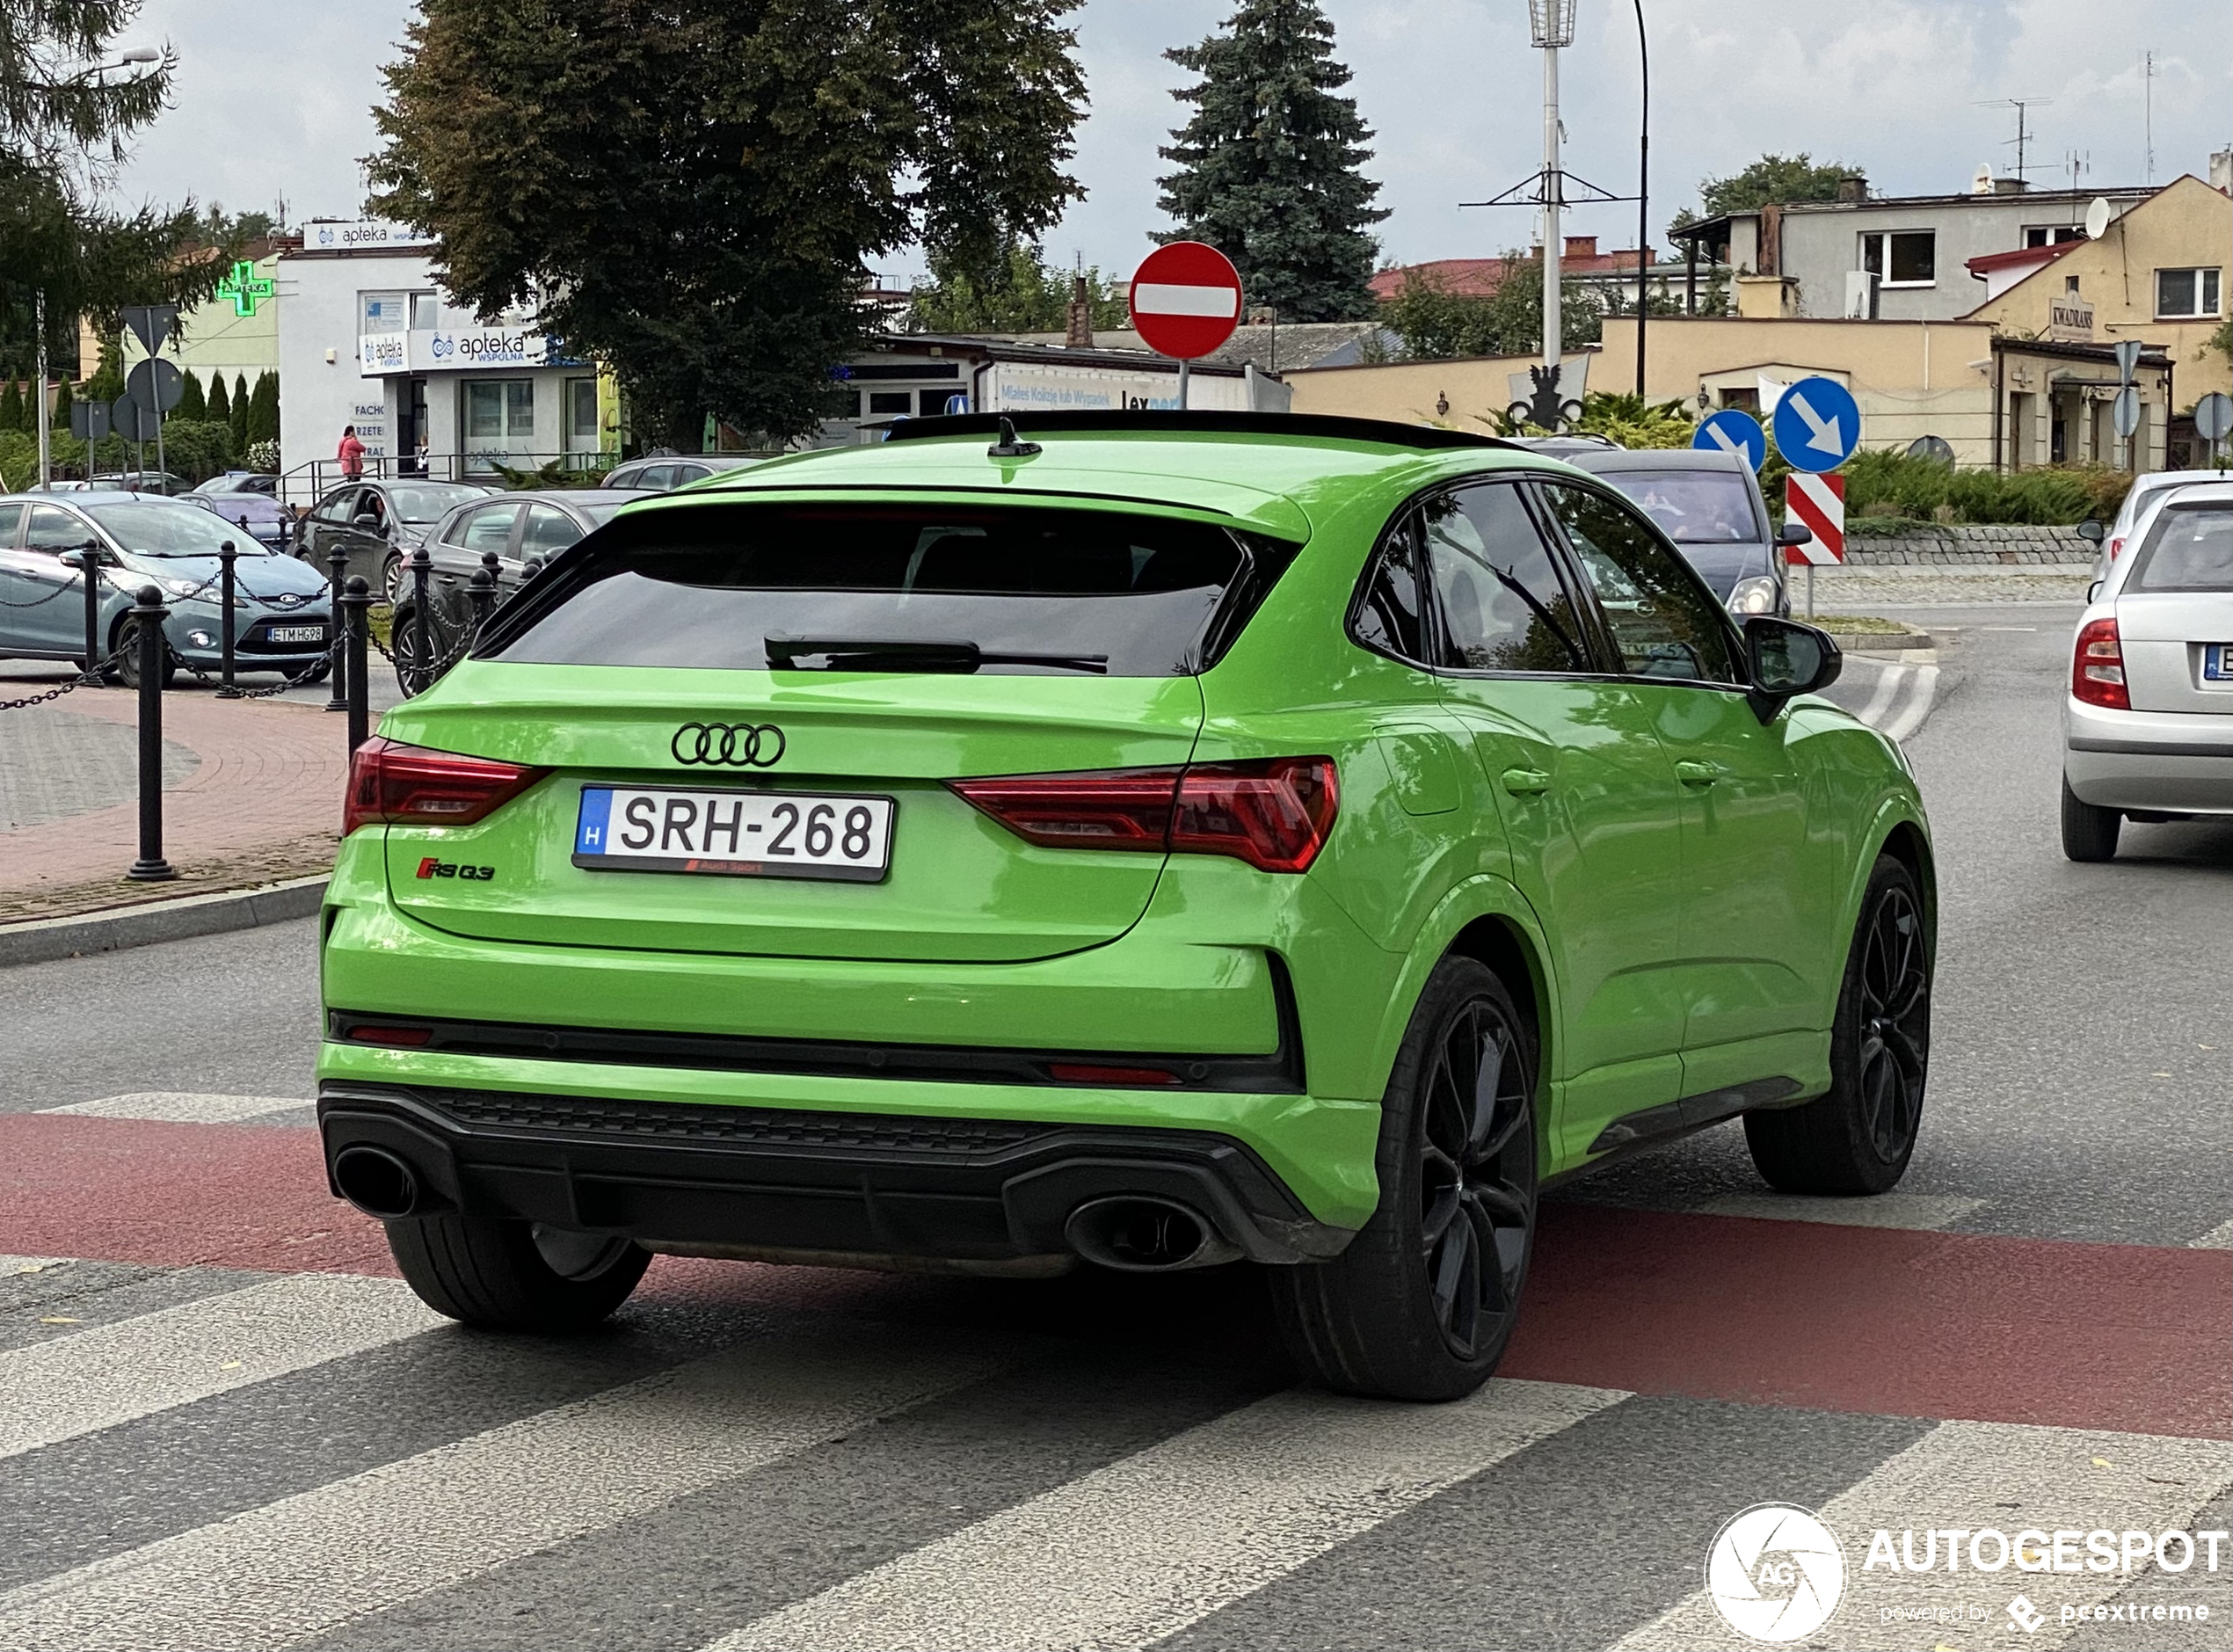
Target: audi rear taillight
[1274, 813]
[2097, 670]
[393, 784]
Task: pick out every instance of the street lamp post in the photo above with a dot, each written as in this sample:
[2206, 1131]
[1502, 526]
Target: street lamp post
[1551, 26]
[1643, 202]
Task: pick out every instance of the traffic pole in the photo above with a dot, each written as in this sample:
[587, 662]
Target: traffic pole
[1186, 375]
[151, 868]
[227, 689]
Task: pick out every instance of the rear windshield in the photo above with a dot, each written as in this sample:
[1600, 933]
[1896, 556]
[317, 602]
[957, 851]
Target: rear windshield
[2190, 549]
[1692, 507]
[900, 587]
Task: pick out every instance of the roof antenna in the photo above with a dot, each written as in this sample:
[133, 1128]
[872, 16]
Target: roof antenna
[1009, 447]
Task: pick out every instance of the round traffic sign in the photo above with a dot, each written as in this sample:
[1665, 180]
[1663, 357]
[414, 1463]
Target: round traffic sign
[1818, 424]
[2124, 413]
[2214, 417]
[156, 383]
[1186, 299]
[1733, 430]
[1938, 449]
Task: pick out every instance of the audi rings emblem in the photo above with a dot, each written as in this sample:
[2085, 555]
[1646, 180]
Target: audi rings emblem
[759, 744]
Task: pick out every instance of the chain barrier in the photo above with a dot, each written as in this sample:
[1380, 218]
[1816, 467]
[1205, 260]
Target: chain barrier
[73, 684]
[332, 660]
[70, 584]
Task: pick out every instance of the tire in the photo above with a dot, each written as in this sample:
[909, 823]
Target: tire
[413, 673]
[2088, 833]
[319, 672]
[394, 576]
[128, 666]
[507, 1276]
[1398, 1315]
[1859, 1138]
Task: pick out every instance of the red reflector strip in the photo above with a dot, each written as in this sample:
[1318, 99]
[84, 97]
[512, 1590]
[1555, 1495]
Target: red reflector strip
[401, 1037]
[1073, 1073]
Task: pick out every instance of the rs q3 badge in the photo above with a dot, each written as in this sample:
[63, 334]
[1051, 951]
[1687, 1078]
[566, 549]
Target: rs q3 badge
[433, 867]
[732, 744]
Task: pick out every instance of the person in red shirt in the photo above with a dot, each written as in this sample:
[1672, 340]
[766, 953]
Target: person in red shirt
[351, 454]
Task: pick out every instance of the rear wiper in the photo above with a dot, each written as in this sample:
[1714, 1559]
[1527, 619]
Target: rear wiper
[862, 653]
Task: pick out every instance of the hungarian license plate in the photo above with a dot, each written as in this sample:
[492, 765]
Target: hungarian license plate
[2217, 662]
[734, 833]
[297, 633]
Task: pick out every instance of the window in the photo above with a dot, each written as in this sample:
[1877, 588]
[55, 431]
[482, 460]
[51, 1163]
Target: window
[2190, 549]
[1044, 591]
[891, 402]
[1902, 257]
[54, 531]
[1661, 619]
[934, 399]
[656, 477]
[426, 312]
[337, 506]
[549, 530]
[1504, 604]
[381, 312]
[11, 518]
[2052, 235]
[581, 411]
[486, 530]
[500, 410]
[1694, 508]
[2186, 294]
[1389, 618]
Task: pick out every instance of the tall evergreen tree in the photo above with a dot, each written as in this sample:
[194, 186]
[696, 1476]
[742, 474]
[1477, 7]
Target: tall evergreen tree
[218, 403]
[11, 407]
[1268, 164]
[190, 405]
[263, 421]
[236, 410]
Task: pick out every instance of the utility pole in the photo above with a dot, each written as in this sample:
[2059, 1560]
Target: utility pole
[1643, 204]
[1552, 25]
[46, 441]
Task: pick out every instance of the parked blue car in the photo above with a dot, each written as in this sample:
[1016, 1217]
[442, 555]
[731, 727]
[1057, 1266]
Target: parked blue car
[283, 620]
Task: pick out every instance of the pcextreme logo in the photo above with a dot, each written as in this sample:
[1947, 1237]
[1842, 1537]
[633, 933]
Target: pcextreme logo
[1775, 1572]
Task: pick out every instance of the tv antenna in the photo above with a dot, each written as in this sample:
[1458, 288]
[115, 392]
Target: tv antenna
[2078, 164]
[2021, 142]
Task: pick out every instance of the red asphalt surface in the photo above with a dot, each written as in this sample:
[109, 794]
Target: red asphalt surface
[1890, 1321]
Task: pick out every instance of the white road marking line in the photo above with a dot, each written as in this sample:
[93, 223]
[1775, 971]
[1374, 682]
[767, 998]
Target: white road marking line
[2219, 1238]
[1136, 1551]
[1924, 1212]
[1887, 685]
[1903, 727]
[108, 1374]
[181, 1106]
[1973, 1476]
[297, 1568]
[10, 1266]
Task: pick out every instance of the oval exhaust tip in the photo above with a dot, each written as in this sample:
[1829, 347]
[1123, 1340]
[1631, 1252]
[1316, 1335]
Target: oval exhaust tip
[376, 1182]
[1144, 1235]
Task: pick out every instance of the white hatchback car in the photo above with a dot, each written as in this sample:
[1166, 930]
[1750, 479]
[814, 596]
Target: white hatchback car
[2148, 724]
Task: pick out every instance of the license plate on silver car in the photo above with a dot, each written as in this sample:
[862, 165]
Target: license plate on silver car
[2217, 662]
[297, 633]
[734, 833]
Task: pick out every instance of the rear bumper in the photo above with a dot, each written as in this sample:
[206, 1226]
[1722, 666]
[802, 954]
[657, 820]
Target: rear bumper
[2179, 762]
[987, 1191]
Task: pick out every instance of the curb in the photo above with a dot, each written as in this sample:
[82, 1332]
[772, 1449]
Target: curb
[44, 940]
[1880, 642]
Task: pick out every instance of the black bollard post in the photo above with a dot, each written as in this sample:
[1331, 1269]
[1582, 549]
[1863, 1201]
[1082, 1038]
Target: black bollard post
[338, 562]
[355, 617]
[89, 564]
[227, 689]
[422, 569]
[529, 568]
[151, 868]
[480, 594]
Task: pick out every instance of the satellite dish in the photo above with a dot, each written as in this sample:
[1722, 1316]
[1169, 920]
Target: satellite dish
[1933, 447]
[2098, 217]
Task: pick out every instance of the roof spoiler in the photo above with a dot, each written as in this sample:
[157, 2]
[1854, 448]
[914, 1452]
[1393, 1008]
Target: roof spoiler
[1323, 428]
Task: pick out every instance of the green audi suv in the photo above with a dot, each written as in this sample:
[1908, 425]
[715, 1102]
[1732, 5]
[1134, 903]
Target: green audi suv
[1161, 840]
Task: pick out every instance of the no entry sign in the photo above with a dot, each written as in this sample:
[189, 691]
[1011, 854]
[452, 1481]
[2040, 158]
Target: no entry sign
[1186, 299]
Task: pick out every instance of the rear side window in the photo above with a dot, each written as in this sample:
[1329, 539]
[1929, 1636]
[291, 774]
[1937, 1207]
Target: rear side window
[2190, 549]
[902, 587]
[1391, 612]
[1504, 606]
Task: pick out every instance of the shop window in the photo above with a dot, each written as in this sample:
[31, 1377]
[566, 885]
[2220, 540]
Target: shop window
[2186, 294]
[426, 312]
[1902, 257]
[500, 410]
[885, 401]
[581, 411]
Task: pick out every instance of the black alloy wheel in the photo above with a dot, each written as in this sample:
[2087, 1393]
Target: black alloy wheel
[414, 652]
[1859, 1138]
[1423, 1301]
[127, 663]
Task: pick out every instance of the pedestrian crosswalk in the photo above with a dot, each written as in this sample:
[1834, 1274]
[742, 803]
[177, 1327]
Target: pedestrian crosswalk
[749, 1460]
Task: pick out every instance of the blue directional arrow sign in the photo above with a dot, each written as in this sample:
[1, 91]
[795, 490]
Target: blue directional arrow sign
[1818, 424]
[1733, 430]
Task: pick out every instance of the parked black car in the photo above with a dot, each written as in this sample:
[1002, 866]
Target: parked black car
[663, 471]
[378, 524]
[270, 523]
[515, 527]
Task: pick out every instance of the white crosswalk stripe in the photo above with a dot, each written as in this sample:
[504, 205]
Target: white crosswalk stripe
[1925, 1211]
[290, 1570]
[11, 1266]
[1136, 1551]
[1969, 1477]
[108, 1374]
[1888, 688]
[181, 1106]
[2219, 1238]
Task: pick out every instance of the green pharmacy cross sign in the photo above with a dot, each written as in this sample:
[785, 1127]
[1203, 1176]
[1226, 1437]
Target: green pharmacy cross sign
[244, 287]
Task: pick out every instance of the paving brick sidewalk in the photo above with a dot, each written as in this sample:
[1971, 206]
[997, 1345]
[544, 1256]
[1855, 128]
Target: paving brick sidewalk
[252, 793]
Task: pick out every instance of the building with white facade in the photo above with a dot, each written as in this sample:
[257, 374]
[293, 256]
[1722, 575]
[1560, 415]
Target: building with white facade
[367, 338]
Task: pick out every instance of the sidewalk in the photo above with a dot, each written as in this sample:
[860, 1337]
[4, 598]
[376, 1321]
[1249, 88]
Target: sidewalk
[251, 795]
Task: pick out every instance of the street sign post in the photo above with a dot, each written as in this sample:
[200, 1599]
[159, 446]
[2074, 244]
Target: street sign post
[1818, 424]
[2128, 358]
[2213, 422]
[1818, 501]
[156, 383]
[130, 420]
[1185, 303]
[1733, 430]
[89, 420]
[151, 324]
[2124, 413]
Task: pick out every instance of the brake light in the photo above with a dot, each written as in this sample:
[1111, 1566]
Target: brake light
[393, 784]
[2098, 671]
[1274, 813]
[2116, 545]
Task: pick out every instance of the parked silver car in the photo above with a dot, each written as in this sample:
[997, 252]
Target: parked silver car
[2147, 723]
[1709, 504]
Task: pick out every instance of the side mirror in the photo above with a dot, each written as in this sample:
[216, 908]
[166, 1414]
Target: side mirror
[1787, 659]
[1794, 534]
[2091, 531]
[367, 520]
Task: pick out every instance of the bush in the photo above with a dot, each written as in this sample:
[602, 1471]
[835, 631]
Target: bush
[195, 448]
[1894, 484]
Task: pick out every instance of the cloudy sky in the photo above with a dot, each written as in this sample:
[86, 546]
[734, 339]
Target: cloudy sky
[274, 99]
